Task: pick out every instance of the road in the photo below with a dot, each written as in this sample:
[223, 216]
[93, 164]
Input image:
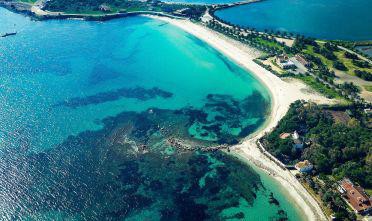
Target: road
[353, 52]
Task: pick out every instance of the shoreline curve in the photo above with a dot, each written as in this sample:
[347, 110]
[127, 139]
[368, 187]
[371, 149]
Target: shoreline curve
[282, 94]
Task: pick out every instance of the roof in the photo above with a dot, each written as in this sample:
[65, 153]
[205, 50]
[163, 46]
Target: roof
[295, 135]
[282, 57]
[303, 164]
[301, 59]
[104, 7]
[284, 135]
[356, 196]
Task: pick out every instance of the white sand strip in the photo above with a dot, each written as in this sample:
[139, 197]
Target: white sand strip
[282, 95]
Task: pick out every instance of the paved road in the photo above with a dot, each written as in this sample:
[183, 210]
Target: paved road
[353, 52]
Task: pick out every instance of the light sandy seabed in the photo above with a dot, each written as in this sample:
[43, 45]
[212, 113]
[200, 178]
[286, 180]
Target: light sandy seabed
[282, 95]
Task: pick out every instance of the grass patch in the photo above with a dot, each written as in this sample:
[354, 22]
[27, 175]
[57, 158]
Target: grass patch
[113, 11]
[310, 50]
[324, 208]
[349, 63]
[272, 44]
[340, 55]
[28, 1]
[368, 87]
[368, 191]
[319, 87]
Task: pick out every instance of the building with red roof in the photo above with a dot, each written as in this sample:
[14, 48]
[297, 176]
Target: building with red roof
[355, 196]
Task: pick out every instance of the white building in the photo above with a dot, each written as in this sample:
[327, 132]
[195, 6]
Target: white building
[297, 142]
[284, 62]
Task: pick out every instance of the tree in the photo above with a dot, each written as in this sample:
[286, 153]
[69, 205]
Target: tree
[364, 75]
[339, 66]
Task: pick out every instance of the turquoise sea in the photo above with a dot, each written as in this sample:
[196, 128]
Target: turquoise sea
[325, 19]
[97, 119]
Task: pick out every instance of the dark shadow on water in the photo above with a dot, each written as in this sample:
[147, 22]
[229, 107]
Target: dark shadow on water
[127, 167]
[137, 93]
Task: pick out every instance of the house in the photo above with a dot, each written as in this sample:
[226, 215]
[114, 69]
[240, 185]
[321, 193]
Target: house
[304, 166]
[297, 141]
[295, 135]
[355, 196]
[368, 111]
[181, 12]
[104, 8]
[284, 135]
[284, 62]
[302, 60]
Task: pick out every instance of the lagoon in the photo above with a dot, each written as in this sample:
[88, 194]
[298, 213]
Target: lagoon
[95, 118]
[324, 19]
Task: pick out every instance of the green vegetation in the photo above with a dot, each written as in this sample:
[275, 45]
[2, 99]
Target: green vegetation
[90, 6]
[263, 40]
[250, 37]
[349, 88]
[321, 73]
[361, 64]
[267, 67]
[369, 191]
[351, 56]
[309, 50]
[325, 52]
[327, 55]
[337, 148]
[318, 86]
[339, 66]
[364, 75]
[28, 1]
[115, 6]
[368, 87]
[352, 63]
[326, 58]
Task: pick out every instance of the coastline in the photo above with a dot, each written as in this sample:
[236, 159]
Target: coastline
[36, 12]
[282, 95]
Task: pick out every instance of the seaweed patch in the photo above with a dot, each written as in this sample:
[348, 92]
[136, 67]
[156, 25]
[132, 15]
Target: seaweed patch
[137, 93]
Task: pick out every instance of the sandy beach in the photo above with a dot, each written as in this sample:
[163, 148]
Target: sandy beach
[282, 95]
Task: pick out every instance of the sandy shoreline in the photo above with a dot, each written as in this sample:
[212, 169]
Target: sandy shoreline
[282, 95]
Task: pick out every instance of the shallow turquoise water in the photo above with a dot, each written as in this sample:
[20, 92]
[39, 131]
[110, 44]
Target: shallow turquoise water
[66, 60]
[325, 19]
[89, 112]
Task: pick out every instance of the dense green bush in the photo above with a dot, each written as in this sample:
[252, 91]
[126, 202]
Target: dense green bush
[339, 66]
[364, 75]
[336, 149]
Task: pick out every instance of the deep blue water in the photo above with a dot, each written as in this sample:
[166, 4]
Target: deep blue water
[96, 119]
[365, 50]
[325, 19]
